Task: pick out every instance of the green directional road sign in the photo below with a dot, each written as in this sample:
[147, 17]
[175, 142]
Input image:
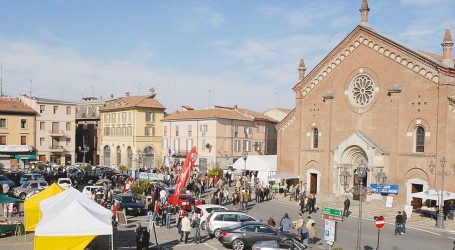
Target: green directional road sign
[332, 211]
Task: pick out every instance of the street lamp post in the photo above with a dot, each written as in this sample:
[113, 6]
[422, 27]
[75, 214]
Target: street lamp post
[442, 173]
[245, 156]
[360, 190]
[84, 149]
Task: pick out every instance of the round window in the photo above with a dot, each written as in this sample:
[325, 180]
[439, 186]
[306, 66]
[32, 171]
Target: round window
[361, 91]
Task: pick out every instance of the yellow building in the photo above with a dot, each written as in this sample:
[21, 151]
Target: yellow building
[131, 132]
[17, 133]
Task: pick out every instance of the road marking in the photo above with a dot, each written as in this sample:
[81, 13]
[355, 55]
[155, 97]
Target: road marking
[210, 246]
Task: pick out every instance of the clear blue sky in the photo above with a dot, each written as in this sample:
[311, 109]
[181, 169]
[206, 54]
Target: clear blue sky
[244, 52]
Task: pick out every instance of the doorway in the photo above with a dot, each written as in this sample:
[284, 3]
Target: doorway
[416, 202]
[356, 183]
[313, 183]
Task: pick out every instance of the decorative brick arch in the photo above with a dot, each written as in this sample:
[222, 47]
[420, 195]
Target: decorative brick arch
[413, 125]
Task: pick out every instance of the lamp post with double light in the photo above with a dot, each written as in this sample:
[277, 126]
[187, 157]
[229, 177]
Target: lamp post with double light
[359, 190]
[84, 149]
[443, 172]
[245, 156]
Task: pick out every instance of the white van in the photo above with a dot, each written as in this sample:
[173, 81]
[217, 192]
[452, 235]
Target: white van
[88, 190]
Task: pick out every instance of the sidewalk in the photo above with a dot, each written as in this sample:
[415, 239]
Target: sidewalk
[376, 208]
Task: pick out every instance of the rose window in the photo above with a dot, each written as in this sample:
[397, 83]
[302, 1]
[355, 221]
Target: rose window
[362, 90]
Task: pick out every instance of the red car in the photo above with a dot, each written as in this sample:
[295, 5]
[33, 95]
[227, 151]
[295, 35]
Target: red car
[184, 201]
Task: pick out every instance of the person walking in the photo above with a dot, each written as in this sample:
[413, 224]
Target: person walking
[398, 223]
[308, 226]
[195, 224]
[308, 203]
[302, 203]
[246, 198]
[452, 210]
[403, 225]
[285, 224]
[347, 204]
[299, 224]
[312, 234]
[313, 204]
[186, 228]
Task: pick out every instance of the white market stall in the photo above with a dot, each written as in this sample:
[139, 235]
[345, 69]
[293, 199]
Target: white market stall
[265, 165]
[71, 221]
[434, 195]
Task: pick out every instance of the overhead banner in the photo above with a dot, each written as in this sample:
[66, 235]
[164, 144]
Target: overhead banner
[185, 172]
[386, 189]
[151, 176]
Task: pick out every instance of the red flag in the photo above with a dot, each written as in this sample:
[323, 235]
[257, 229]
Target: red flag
[185, 172]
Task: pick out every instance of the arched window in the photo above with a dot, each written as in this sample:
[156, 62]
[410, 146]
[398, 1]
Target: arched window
[315, 138]
[420, 139]
[119, 156]
[107, 155]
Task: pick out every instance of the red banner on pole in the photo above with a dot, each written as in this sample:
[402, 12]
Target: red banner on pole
[185, 172]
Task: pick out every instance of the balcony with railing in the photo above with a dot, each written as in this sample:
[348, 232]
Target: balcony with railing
[58, 133]
[56, 149]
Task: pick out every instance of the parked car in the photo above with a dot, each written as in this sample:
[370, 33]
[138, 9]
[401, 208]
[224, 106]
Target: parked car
[276, 245]
[32, 193]
[246, 234]
[205, 210]
[130, 204]
[5, 180]
[65, 183]
[225, 218]
[28, 187]
[88, 190]
[15, 177]
[31, 177]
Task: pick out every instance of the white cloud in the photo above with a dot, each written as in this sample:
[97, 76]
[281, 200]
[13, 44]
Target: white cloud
[63, 73]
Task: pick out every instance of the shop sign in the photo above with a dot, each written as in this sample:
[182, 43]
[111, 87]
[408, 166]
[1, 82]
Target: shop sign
[15, 148]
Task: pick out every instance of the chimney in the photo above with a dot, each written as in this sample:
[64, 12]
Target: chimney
[447, 45]
[364, 9]
[301, 70]
[152, 92]
[127, 94]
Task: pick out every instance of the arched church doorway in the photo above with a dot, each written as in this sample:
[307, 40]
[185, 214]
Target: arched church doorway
[353, 156]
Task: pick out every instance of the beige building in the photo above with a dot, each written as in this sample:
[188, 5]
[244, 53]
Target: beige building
[376, 101]
[132, 132]
[55, 129]
[277, 113]
[17, 133]
[220, 134]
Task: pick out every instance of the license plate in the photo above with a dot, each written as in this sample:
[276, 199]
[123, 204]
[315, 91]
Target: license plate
[185, 203]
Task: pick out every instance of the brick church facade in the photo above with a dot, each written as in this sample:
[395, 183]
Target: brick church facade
[372, 100]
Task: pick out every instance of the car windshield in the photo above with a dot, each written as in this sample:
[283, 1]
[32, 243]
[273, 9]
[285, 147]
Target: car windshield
[24, 185]
[64, 182]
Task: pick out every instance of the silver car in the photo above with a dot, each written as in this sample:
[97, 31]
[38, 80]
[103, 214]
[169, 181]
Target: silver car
[275, 245]
[28, 187]
[225, 218]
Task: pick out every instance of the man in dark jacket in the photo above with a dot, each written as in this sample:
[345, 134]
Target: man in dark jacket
[398, 223]
[347, 204]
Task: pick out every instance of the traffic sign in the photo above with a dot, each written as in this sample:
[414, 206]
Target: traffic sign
[332, 211]
[380, 221]
[329, 230]
[332, 217]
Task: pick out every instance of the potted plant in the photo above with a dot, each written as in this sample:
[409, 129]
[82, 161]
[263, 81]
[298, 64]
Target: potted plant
[208, 146]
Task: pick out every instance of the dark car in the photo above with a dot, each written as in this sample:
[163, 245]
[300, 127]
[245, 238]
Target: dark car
[244, 235]
[15, 177]
[130, 204]
[5, 180]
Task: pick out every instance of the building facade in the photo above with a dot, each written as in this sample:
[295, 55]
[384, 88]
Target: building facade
[132, 132]
[220, 134]
[17, 134]
[88, 129]
[375, 101]
[55, 129]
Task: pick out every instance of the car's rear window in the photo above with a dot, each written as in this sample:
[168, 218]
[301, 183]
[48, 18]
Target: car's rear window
[230, 217]
[198, 210]
[184, 197]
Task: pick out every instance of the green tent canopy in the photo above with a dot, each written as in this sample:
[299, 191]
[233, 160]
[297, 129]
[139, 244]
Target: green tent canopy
[6, 199]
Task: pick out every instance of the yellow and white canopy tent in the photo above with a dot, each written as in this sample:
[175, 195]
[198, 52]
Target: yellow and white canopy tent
[71, 221]
[32, 206]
